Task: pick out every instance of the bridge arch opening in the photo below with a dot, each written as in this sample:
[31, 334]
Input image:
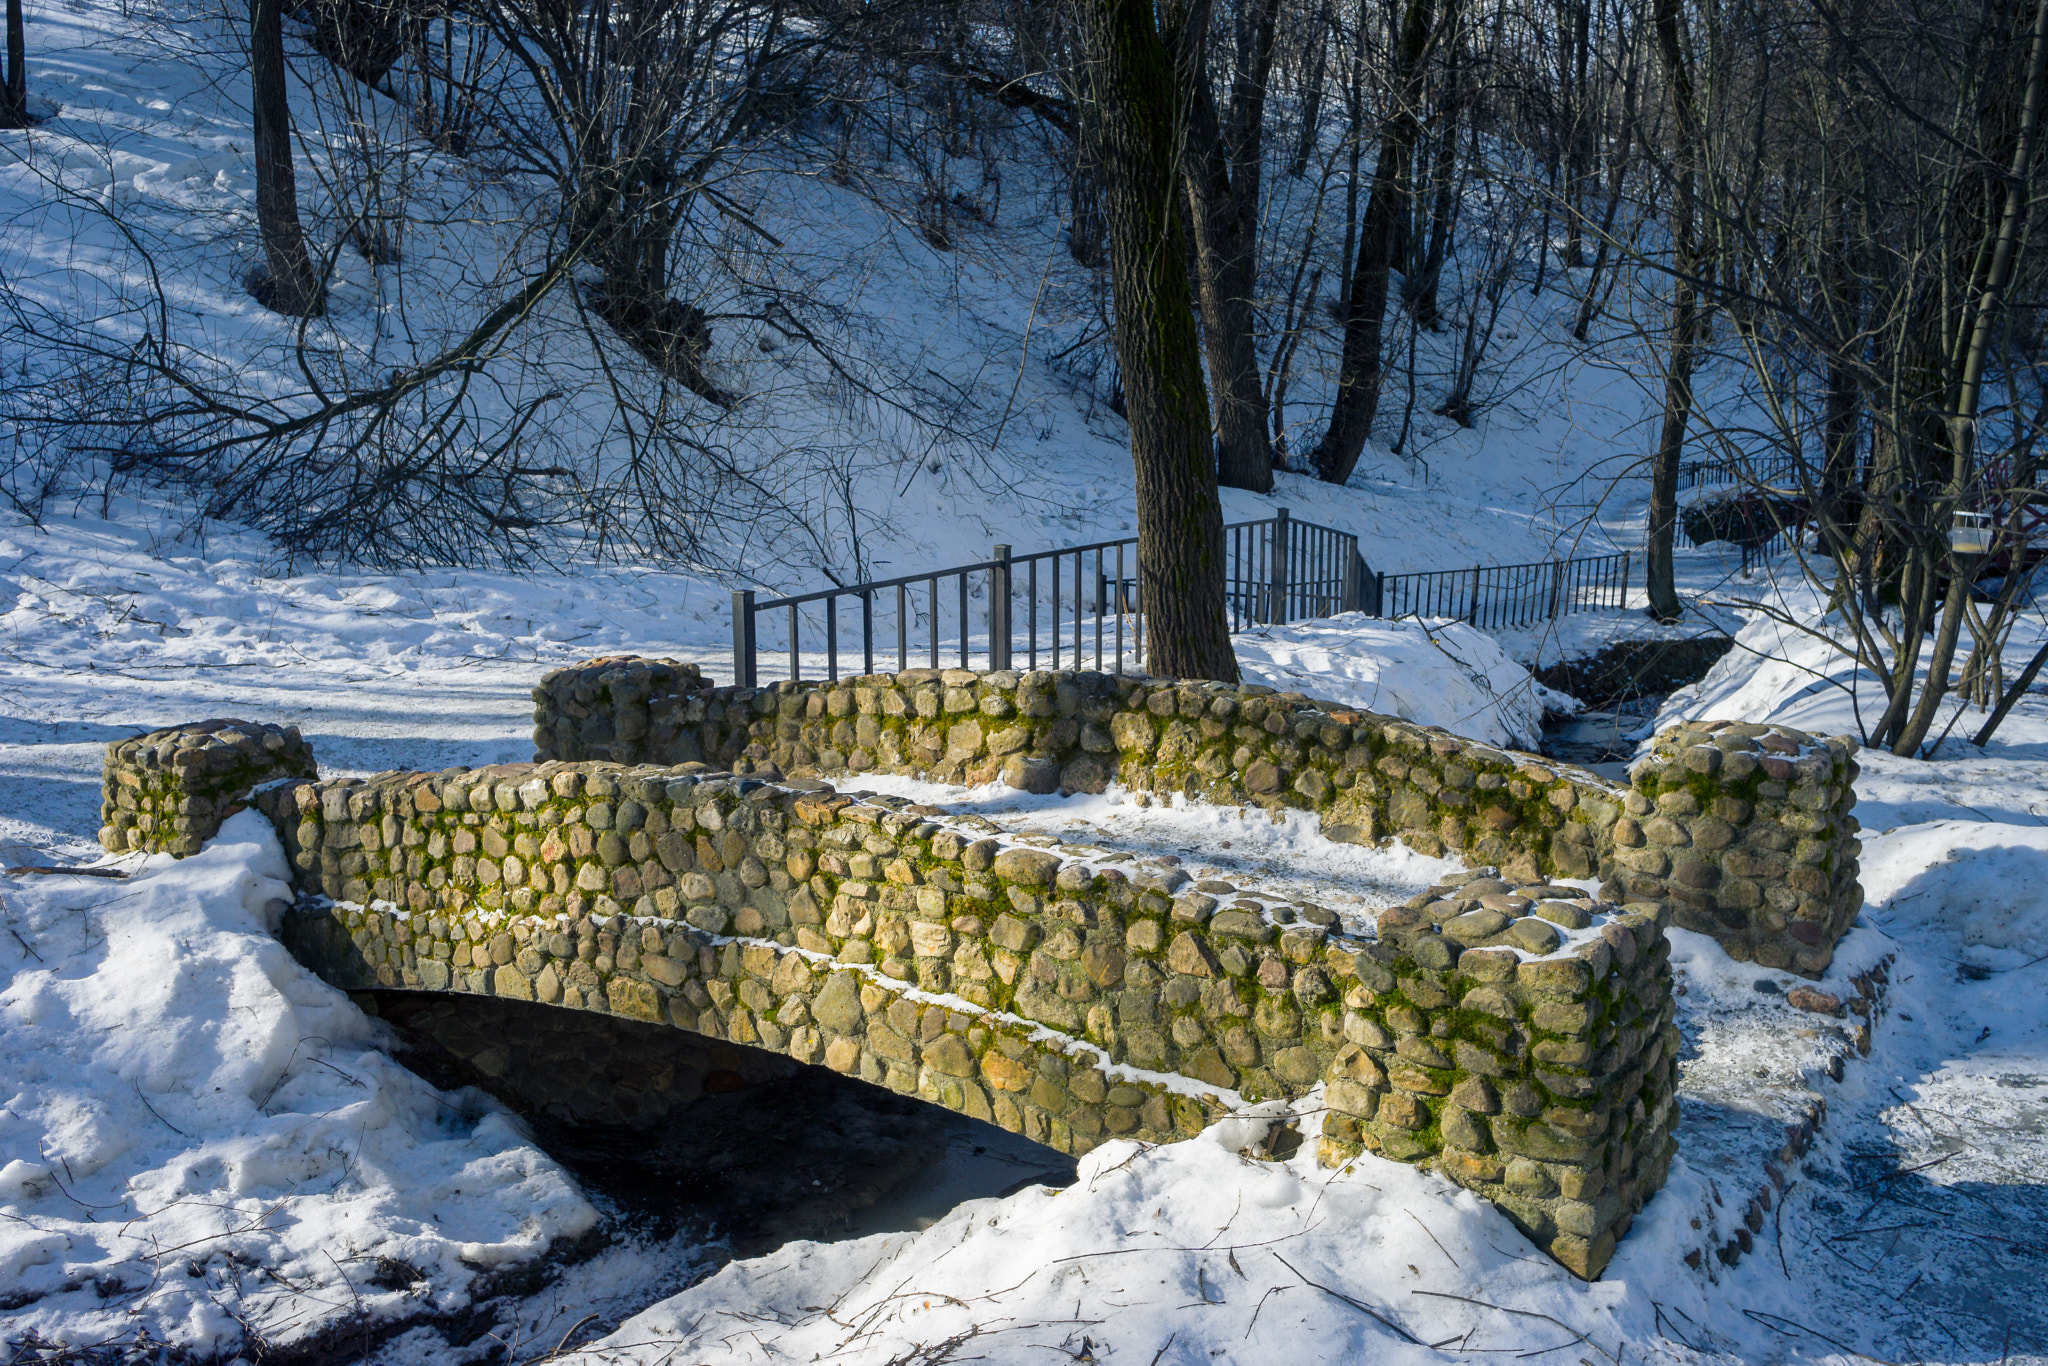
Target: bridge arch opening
[680, 1132]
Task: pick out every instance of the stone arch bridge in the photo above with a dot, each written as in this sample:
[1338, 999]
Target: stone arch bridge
[1514, 1031]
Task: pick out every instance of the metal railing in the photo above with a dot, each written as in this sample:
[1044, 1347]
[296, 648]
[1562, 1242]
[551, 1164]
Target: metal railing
[1082, 606]
[1501, 596]
[1694, 474]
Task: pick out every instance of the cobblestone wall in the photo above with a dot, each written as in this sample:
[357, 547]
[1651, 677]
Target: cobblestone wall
[1369, 776]
[1745, 832]
[1546, 1083]
[168, 791]
[1067, 998]
[1754, 846]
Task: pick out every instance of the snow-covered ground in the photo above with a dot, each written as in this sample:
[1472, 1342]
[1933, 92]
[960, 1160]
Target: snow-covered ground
[201, 1143]
[1906, 1232]
[204, 1143]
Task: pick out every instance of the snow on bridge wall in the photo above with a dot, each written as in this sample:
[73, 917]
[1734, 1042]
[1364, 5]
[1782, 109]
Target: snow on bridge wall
[1743, 831]
[1368, 776]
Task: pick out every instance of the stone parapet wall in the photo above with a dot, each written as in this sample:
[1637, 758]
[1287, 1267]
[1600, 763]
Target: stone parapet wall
[1745, 832]
[168, 791]
[1069, 995]
[1754, 846]
[803, 923]
[1370, 777]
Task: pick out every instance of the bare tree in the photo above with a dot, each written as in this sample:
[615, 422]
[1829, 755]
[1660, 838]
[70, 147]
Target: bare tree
[1365, 298]
[1223, 154]
[1863, 194]
[1687, 260]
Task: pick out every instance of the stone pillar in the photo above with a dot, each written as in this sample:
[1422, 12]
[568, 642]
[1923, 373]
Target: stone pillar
[169, 791]
[622, 708]
[1745, 832]
[1520, 1039]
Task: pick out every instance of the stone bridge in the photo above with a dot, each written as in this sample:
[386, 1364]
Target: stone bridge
[1511, 1030]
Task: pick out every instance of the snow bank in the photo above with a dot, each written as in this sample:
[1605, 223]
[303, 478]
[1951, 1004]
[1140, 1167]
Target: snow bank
[1790, 666]
[1983, 886]
[201, 1139]
[1435, 673]
[1176, 1255]
[1777, 673]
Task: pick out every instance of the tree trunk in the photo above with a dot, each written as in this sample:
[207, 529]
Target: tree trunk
[1982, 319]
[1422, 290]
[1221, 167]
[1312, 97]
[1685, 322]
[292, 285]
[1138, 119]
[1843, 405]
[1574, 32]
[1365, 303]
[1658, 558]
[14, 95]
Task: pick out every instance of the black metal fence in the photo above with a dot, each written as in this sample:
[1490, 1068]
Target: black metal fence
[1083, 606]
[1076, 607]
[1698, 474]
[1765, 520]
[1501, 596]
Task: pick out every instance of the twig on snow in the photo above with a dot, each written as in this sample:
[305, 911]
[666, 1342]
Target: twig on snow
[1767, 1321]
[1525, 1313]
[152, 1109]
[1432, 1237]
[1361, 1308]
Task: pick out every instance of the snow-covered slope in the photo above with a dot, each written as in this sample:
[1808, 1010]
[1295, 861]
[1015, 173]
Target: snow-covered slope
[203, 1143]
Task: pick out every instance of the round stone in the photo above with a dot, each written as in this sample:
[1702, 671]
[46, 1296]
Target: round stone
[1040, 776]
[1570, 914]
[1534, 936]
[1474, 926]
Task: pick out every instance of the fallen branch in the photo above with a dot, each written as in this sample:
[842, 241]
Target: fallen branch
[1361, 1308]
[1525, 1313]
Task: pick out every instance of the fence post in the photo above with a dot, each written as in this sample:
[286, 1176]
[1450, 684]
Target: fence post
[1355, 572]
[1623, 604]
[743, 637]
[1379, 594]
[867, 631]
[1557, 573]
[1472, 612]
[999, 610]
[1278, 589]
